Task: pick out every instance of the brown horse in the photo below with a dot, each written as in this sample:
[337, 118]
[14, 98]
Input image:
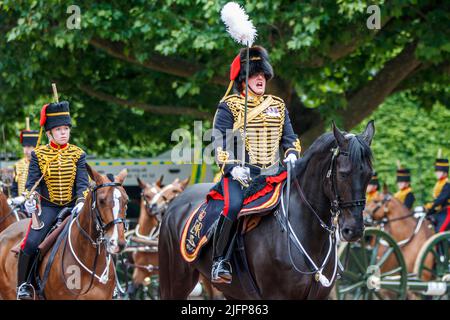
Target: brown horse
[147, 232]
[409, 232]
[154, 200]
[88, 241]
[7, 215]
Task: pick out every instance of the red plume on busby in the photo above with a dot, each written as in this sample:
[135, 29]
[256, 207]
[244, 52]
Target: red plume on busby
[43, 115]
[235, 67]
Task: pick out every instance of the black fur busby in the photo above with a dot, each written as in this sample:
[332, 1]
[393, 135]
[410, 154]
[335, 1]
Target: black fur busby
[29, 138]
[55, 114]
[441, 164]
[259, 62]
[403, 175]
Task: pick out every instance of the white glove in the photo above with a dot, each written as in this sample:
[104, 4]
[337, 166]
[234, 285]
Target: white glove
[77, 209]
[241, 173]
[291, 158]
[419, 212]
[18, 200]
[30, 206]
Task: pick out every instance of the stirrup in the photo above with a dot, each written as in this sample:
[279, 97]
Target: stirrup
[224, 277]
[21, 287]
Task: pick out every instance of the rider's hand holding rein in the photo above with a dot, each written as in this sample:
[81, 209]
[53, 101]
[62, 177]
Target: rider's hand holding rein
[77, 209]
[291, 158]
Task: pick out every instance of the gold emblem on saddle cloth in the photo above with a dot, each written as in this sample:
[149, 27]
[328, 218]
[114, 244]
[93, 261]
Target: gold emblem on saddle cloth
[59, 167]
[21, 174]
[265, 120]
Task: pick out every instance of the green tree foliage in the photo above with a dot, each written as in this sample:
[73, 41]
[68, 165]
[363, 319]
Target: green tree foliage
[412, 135]
[137, 69]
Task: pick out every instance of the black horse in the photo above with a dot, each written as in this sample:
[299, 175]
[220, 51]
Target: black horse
[327, 189]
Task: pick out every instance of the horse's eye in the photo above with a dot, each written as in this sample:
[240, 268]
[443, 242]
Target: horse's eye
[343, 175]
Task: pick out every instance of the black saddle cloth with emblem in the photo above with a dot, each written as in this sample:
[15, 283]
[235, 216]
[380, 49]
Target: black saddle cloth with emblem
[263, 194]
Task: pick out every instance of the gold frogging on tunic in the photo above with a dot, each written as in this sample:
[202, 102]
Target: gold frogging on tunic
[59, 167]
[21, 174]
[264, 130]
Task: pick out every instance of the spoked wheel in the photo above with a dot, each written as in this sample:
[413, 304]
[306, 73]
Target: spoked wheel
[433, 264]
[374, 269]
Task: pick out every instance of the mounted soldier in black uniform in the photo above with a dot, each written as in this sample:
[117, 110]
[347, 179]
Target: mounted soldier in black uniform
[58, 178]
[268, 129]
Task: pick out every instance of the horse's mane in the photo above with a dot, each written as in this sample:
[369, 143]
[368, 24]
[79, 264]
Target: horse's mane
[359, 150]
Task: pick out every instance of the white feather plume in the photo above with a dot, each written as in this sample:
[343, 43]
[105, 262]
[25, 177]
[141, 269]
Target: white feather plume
[238, 25]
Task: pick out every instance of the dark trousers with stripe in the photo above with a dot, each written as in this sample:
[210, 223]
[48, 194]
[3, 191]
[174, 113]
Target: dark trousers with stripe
[443, 220]
[233, 198]
[34, 237]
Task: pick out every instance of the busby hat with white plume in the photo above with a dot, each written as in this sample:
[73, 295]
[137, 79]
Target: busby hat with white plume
[242, 31]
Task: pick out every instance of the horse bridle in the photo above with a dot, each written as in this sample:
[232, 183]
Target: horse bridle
[336, 204]
[100, 225]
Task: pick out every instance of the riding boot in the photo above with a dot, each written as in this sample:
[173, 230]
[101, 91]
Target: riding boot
[24, 266]
[221, 269]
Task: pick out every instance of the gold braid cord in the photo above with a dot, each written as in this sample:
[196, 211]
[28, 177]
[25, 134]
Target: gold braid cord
[264, 131]
[59, 167]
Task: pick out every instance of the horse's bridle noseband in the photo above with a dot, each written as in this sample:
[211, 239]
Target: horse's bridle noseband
[101, 226]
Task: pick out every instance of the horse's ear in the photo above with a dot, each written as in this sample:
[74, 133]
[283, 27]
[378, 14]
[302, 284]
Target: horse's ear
[120, 178]
[141, 183]
[385, 188]
[185, 182]
[338, 135]
[159, 182]
[369, 132]
[94, 175]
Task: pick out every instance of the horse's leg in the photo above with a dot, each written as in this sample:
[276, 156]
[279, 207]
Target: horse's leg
[211, 292]
[8, 260]
[176, 278]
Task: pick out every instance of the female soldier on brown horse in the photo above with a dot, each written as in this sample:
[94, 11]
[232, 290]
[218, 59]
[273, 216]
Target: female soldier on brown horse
[78, 265]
